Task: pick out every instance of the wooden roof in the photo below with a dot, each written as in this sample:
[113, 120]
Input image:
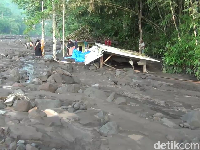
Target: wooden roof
[81, 34]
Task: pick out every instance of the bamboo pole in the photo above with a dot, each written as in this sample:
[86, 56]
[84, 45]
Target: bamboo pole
[54, 30]
[63, 28]
[42, 41]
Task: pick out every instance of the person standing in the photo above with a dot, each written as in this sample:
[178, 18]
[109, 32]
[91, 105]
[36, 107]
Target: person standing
[109, 42]
[106, 42]
[86, 45]
[38, 51]
[76, 44]
[70, 46]
[141, 46]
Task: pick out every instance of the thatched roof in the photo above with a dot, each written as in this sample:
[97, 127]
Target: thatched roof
[80, 34]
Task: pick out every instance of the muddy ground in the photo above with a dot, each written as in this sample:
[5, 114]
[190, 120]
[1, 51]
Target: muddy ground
[48, 105]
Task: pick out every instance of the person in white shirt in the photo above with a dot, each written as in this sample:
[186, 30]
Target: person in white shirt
[141, 47]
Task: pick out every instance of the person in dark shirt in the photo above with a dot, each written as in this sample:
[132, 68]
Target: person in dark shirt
[70, 46]
[38, 51]
[76, 44]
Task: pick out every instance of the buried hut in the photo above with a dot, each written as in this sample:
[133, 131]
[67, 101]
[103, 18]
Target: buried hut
[104, 54]
[81, 35]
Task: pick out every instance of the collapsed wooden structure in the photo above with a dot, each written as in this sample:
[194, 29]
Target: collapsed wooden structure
[99, 50]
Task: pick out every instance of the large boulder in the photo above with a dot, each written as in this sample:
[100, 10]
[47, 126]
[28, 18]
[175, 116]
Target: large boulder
[120, 101]
[95, 93]
[48, 87]
[55, 78]
[36, 113]
[71, 88]
[109, 128]
[14, 75]
[22, 105]
[24, 132]
[67, 79]
[47, 103]
[45, 76]
[192, 118]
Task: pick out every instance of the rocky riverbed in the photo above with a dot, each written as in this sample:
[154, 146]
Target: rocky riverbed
[46, 105]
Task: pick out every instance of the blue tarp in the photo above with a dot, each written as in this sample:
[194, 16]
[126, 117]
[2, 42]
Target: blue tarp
[78, 55]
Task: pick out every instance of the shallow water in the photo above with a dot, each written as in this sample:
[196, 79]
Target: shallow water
[28, 66]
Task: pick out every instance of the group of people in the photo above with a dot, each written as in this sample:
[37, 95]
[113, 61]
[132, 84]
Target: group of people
[71, 45]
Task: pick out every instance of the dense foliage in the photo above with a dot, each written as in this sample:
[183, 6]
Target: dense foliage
[169, 28]
[11, 20]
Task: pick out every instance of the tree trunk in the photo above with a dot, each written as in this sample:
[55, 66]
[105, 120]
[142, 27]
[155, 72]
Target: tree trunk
[194, 19]
[42, 21]
[54, 30]
[140, 23]
[174, 19]
[63, 28]
[42, 41]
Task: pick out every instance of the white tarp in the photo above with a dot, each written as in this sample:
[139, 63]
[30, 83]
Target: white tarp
[95, 53]
[123, 53]
[98, 50]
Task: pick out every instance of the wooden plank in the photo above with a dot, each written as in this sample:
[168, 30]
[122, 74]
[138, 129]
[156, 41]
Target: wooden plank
[101, 61]
[109, 66]
[108, 58]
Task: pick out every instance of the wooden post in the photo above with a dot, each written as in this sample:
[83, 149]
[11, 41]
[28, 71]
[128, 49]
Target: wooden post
[101, 61]
[142, 62]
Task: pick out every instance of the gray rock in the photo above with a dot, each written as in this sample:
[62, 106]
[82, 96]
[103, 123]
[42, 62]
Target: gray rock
[192, 118]
[92, 67]
[95, 93]
[160, 115]
[72, 88]
[111, 97]
[15, 75]
[83, 107]
[22, 106]
[109, 128]
[20, 142]
[30, 147]
[32, 87]
[48, 87]
[121, 101]
[186, 125]
[47, 103]
[16, 116]
[168, 123]
[103, 117]
[80, 91]
[118, 72]
[77, 105]
[71, 110]
[170, 138]
[37, 81]
[45, 76]
[19, 92]
[24, 132]
[8, 141]
[13, 146]
[21, 147]
[2, 105]
[36, 113]
[34, 145]
[67, 79]
[55, 78]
